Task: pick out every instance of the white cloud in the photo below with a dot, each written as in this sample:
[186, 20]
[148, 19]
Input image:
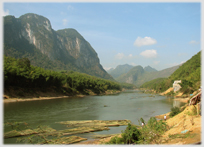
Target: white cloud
[182, 62]
[144, 41]
[65, 21]
[5, 12]
[119, 56]
[156, 62]
[130, 56]
[149, 53]
[133, 64]
[107, 68]
[123, 56]
[193, 42]
[70, 8]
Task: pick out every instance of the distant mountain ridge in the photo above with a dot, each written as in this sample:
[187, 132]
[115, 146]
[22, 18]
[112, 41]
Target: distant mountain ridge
[132, 75]
[149, 69]
[138, 75]
[119, 70]
[32, 36]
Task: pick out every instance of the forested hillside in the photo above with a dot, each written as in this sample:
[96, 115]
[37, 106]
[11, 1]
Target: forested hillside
[132, 75]
[19, 73]
[189, 73]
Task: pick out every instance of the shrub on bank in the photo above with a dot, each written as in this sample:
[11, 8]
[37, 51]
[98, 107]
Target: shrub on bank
[129, 136]
[174, 111]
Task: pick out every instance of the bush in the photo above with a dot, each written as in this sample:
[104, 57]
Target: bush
[174, 111]
[116, 140]
[152, 131]
[131, 134]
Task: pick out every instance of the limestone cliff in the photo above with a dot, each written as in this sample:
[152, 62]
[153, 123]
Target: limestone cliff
[64, 47]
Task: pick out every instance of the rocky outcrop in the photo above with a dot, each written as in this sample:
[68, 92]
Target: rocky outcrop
[176, 85]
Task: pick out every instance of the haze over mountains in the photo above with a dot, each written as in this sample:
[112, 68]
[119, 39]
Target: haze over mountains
[138, 75]
[32, 36]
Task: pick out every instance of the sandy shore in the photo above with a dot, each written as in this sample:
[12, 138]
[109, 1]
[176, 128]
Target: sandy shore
[35, 99]
[184, 100]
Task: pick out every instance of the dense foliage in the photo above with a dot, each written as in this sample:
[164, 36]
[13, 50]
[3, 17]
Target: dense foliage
[19, 73]
[158, 84]
[128, 86]
[189, 73]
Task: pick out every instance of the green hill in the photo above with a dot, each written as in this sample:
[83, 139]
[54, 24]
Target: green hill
[189, 73]
[132, 75]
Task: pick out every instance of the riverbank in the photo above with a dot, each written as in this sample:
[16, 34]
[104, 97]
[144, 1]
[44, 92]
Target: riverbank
[185, 128]
[178, 96]
[50, 95]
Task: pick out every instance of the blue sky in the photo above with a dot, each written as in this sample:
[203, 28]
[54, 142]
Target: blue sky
[158, 34]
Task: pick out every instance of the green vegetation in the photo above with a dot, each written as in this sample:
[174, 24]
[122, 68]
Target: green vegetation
[174, 111]
[19, 73]
[127, 86]
[189, 73]
[156, 84]
[129, 136]
[131, 75]
[147, 134]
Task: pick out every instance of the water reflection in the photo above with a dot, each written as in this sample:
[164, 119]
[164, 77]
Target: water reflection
[177, 103]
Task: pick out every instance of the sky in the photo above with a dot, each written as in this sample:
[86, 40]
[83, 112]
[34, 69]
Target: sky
[158, 34]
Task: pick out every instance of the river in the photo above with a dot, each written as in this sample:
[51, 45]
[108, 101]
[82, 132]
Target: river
[131, 105]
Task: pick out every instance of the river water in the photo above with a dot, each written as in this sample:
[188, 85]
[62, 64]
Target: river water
[131, 105]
